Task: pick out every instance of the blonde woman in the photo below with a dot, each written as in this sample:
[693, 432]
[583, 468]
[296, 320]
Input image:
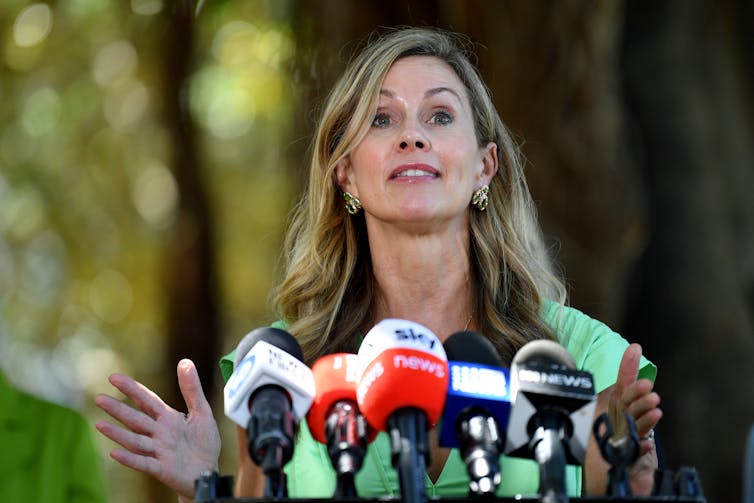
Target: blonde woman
[417, 208]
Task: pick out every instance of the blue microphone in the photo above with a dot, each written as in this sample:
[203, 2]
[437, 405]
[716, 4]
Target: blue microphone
[477, 407]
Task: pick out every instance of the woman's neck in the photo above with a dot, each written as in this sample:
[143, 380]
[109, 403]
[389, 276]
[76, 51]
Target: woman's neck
[425, 279]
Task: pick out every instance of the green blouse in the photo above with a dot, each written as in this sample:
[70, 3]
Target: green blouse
[594, 347]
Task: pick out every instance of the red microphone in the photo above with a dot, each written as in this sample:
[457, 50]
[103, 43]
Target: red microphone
[402, 377]
[334, 418]
[402, 390]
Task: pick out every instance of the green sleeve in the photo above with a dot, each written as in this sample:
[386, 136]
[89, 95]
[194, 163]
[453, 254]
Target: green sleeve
[593, 345]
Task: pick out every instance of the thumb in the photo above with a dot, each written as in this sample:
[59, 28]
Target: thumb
[628, 370]
[627, 373]
[191, 388]
[629, 367]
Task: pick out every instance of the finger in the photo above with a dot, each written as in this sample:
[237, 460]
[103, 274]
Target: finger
[636, 391]
[191, 388]
[143, 397]
[629, 368]
[648, 421]
[134, 442]
[134, 419]
[644, 404]
[645, 425]
[646, 445]
[146, 464]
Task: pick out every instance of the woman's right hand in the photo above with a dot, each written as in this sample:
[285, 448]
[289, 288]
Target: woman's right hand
[173, 447]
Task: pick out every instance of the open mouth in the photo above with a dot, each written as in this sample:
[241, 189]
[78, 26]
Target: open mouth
[414, 172]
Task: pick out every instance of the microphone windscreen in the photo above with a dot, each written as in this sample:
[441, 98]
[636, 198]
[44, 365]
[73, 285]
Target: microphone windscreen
[275, 336]
[394, 332]
[334, 379]
[478, 383]
[544, 377]
[402, 378]
[403, 366]
[267, 356]
[471, 347]
[544, 352]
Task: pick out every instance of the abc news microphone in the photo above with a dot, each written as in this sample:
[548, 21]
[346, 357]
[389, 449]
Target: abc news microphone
[477, 407]
[402, 390]
[269, 392]
[552, 413]
[334, 418]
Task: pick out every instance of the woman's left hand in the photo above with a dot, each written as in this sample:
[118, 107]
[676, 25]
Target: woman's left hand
[633, 396]
[636, 397]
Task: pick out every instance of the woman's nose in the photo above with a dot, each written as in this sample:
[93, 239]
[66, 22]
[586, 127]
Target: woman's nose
[412, 139]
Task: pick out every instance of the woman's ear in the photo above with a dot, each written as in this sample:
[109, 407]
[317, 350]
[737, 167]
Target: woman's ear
[343, 175]
[489, 163]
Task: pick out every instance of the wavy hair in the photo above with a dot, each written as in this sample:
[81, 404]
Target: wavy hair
[328, 287]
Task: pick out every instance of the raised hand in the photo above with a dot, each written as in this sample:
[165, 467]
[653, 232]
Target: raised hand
[171, 446]
[637, 398]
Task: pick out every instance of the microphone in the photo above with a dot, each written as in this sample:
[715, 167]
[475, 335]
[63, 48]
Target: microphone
[334, 418]
[401, 390]
[552, 413]
[269, 392]
[477, 407]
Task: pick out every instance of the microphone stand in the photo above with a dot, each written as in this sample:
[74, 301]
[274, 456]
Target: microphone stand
[547, 446]
[480, 445]
[270, 437]
[410, 452]
[346, 432]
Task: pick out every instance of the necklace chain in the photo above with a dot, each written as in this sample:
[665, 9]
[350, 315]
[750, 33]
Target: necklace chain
[465, 327]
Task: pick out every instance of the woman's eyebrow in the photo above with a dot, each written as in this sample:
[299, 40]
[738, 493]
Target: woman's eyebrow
[438, 90]
[430, 92]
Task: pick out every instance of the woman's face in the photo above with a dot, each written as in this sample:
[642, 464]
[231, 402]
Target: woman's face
[420, 161]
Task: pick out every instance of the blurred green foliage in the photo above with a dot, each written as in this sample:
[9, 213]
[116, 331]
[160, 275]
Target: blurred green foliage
[86, 193]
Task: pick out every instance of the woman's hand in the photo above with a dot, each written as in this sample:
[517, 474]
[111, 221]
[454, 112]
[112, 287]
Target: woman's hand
[171, 446]
[636, 397]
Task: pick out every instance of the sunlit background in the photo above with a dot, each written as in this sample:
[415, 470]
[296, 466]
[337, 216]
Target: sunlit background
[87, 194]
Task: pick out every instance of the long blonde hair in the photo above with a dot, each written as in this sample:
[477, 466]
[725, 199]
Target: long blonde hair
[328, 288]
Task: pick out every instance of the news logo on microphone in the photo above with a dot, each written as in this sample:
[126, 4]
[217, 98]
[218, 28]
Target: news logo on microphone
[484, 386]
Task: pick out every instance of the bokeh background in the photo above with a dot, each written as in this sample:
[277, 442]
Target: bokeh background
[150, 151]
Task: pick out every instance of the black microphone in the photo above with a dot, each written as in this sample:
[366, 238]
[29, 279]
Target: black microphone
[476, 408]
[552, 413]
[269, 392]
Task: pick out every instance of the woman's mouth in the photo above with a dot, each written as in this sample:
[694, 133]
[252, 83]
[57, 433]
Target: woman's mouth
[414, 172]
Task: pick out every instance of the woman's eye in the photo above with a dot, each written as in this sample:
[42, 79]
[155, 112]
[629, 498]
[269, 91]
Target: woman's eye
[381, 120]
[441, 117]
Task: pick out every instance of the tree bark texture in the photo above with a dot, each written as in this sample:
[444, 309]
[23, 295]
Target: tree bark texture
[192, 312]
[688, 80]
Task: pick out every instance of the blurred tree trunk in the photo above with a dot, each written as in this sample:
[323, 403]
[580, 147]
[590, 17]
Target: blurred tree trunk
[689, 79]
[192, 320]
[552, 68]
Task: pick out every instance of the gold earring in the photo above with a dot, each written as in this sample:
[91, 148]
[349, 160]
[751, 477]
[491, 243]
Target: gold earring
[353, 205]
[480, 199]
